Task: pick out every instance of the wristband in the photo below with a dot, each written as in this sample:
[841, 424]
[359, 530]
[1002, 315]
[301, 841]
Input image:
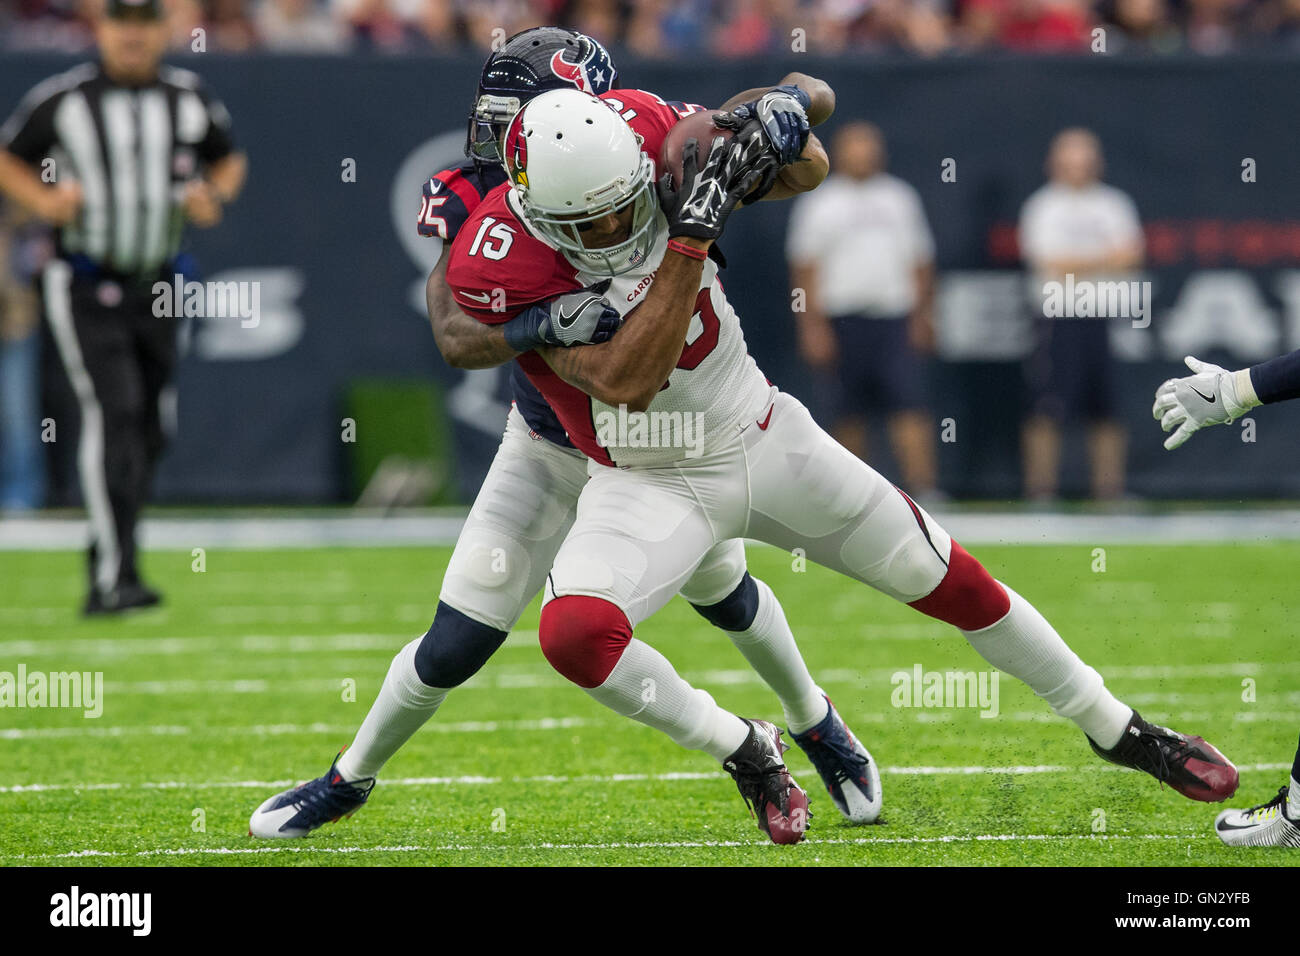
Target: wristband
[1243, 390]
[699, 255]
[798, 93]
[521, 332]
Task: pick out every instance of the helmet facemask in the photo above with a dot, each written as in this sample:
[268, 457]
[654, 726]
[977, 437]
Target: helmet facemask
[487, 124]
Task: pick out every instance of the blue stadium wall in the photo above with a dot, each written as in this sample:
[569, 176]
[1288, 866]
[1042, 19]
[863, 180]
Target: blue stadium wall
[341, 269]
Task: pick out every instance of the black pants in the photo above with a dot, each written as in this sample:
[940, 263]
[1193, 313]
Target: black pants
[120, 359]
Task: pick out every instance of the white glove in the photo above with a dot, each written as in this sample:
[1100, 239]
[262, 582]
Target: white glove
[1213, 396]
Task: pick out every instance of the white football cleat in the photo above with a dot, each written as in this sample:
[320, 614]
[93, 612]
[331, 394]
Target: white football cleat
[1264, 825]
[299, 810]
[851, 777]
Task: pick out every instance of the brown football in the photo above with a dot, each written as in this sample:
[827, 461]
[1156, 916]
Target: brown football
[697, 126]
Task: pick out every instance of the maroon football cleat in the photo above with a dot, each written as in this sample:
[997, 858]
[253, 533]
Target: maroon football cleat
[1188, 764]
[778, 803]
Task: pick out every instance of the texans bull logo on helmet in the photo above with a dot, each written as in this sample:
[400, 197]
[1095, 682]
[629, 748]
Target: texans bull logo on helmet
[581, 74]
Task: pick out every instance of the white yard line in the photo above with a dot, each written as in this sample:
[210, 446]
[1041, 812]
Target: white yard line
[91, 729]
[426, 530]
[559, 778]
[275, 730]
[641, 845]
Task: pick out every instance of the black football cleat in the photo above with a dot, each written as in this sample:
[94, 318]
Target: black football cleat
[1188, 764]
[300, 810]
[124, 597]
[775, 800]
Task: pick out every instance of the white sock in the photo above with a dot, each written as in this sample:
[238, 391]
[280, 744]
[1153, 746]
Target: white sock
[1025, 646]
[644, 686]
[404, 704]
[769, 647]
[1293, 801]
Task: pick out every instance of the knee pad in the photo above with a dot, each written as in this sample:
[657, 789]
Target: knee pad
[736, 611]
[967, 597]
[583, 637]
[719, 572]
[454, 648]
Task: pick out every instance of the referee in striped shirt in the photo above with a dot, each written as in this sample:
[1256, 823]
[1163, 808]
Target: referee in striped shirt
[118, 154]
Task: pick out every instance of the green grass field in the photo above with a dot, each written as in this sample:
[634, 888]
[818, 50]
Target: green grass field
[237, 689]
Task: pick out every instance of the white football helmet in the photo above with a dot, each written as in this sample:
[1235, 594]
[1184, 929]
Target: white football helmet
[572, 160]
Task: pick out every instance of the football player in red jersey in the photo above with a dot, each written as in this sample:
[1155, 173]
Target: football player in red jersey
[579, 208]
[528, 500]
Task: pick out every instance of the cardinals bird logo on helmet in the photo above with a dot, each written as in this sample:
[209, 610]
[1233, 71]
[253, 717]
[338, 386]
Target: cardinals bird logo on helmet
[517, 151]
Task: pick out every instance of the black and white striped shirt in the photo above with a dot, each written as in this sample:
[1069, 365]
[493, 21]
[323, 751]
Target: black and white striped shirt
[131, 149]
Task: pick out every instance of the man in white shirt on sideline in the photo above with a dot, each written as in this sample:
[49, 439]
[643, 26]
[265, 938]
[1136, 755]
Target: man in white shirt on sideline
[861, 251]
[1078, 226]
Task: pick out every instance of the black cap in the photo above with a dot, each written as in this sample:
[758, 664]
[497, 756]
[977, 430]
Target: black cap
[134, 9]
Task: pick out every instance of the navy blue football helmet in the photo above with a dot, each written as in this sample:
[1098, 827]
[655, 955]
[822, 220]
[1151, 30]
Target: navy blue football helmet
[532, 62]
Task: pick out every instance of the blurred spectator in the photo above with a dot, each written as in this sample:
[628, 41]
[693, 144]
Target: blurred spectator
[372, 23]
[1212, 25]
[861, 250]
[489, 21]
[24, 247]
[299, 26]
[62, 25]
[1286, 23]
[684, 28]
[434, 21]
[747, 29]
[230, 29]
[650, 23]
[183, 18]
[928, 28]
[1142, 26]
[1034, 26]
[1075, 226]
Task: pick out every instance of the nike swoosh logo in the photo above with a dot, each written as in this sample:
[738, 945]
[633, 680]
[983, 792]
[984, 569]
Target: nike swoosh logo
[762, 426]
[1225, 825]
[1209, 398]
[567, 319]
[476, 296]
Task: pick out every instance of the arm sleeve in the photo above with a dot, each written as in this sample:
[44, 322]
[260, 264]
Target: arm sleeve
[443, 209]
[29, 133]
[1277, 380]
[217, 143]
